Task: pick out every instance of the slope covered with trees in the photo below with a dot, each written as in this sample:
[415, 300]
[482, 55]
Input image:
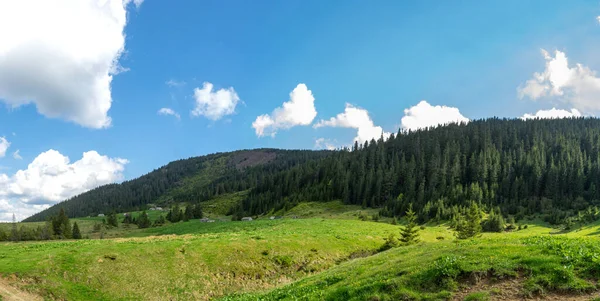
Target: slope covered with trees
[512, 167]
[520, 167]
[188, 180]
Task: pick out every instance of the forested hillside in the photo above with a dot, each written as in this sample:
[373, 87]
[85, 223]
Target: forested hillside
[520, 167]
[188, 180]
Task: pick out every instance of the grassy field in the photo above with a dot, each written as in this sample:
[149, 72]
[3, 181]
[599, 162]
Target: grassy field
[329, 254]
[196, 261]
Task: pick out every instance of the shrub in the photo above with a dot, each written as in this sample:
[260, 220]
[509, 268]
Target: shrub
[390, 242]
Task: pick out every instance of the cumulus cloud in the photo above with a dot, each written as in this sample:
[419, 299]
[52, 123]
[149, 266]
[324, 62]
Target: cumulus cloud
[62, 55]
[299, 110]
[214, 105]
[322, 143]
[51, 178]
[356, 118]
[577, 85]
[16, 155]
[4, 145]
[553, 114]
[169, 111]
[424, 115]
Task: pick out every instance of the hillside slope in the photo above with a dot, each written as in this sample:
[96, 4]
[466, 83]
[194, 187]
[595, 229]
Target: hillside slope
[520, 167]
[188, 180]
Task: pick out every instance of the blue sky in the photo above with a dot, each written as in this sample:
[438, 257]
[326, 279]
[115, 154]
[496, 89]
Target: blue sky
[473, 59]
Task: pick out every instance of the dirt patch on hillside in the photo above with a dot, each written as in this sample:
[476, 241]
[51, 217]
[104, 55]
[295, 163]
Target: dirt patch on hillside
[11, 293]
[252, 158]
[512, 290]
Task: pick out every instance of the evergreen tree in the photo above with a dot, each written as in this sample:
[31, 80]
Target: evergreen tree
[143, 221]
[494, 223]
[159, 221]
[112, 220]
[470, 225]
[76, 232]
[409, 234]
[197, 212]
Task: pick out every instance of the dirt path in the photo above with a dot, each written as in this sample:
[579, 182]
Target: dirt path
[10, 293]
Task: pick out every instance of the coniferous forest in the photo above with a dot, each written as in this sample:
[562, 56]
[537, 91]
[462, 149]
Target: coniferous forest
[512, 167]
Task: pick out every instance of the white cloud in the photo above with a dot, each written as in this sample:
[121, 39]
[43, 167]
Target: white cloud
[62, 55]
[578, 86]
[175, 83]
[424, 115]
[299, 110]
[552, 114]
[214, 105]
[138, 3]
[322, 143]
[4, 145]
[356, 118]
[52, 178]
[598, 19]
[16, 155]
[168, 111]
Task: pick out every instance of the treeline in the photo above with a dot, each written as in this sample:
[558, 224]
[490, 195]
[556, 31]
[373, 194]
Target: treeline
[57, 227]
[519, 167]
[513, 167]
[190, 180]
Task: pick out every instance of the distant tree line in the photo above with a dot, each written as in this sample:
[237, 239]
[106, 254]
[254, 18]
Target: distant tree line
[56, 227]
[508, 167]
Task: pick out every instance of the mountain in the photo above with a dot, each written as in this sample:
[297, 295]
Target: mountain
[519, 167]
[189, 180]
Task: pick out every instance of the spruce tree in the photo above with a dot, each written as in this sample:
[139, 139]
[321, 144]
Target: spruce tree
[470, 225]
[76, 233]
[409, 234]
[112, 219]
[143, 221]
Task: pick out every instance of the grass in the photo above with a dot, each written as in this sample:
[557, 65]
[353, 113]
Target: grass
[191, 260]
[328, 255]
[331, 210]
[221, 205]
[434, 270]
[478, 296]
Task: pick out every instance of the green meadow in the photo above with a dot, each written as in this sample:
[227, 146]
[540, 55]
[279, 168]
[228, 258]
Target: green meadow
[327, 253]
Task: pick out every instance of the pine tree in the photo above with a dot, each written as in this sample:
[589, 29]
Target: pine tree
[409, 234]
[76, 233]
[159, 221]
[112, 220]
[143, 220]
[470, 225]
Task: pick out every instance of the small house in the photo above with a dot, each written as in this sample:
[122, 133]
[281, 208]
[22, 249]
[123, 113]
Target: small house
[246, 219]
